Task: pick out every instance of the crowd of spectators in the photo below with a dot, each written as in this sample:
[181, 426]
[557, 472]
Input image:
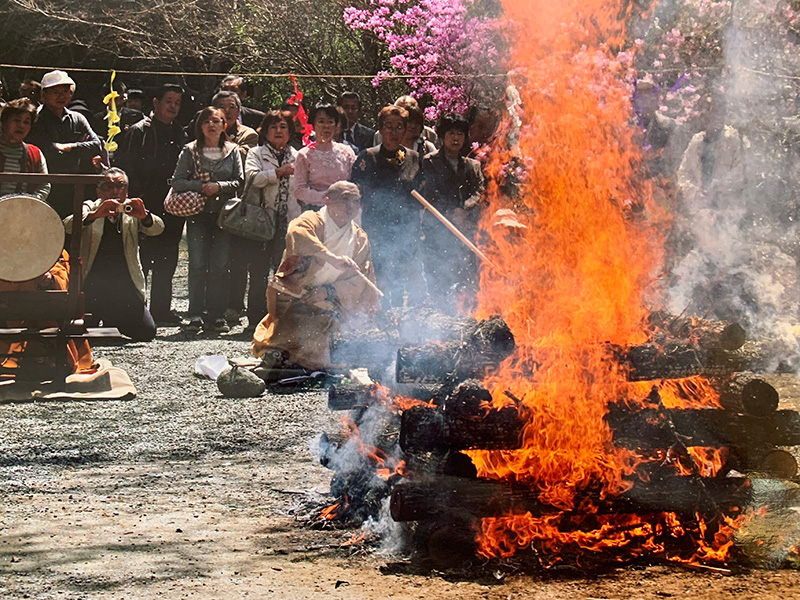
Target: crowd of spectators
[228, 147]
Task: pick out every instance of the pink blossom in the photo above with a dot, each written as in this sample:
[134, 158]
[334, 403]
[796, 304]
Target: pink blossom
[432, 37]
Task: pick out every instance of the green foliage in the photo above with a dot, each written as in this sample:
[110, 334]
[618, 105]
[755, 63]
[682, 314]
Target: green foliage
[305, 37]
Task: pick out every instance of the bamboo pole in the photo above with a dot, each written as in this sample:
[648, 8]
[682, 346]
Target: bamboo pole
[454, 230]
[367, 280]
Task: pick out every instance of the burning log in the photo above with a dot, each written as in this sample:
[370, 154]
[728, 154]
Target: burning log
[431, 499]
[465, 422]
[749, 394]
[705, 333]
[677, 360]
[414, 501]
[654, 428]
[486, 347]
[439, 362]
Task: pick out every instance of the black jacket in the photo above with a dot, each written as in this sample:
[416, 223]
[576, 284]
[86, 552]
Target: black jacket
[362, 136]
[148, 154]
[251, 117]
[386, 180]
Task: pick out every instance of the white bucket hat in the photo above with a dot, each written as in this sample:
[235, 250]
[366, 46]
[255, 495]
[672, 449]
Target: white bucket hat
[54, 78]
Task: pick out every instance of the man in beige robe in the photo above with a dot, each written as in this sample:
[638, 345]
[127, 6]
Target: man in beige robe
[325, 282]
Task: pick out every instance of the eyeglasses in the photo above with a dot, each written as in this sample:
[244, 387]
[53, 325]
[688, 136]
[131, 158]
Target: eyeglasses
[214, 122]
[395, 129]
[117, 185]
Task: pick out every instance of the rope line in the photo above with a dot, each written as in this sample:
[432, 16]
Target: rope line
[261, 75]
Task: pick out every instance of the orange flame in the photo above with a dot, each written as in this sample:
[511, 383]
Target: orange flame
[574, 276]
[708, 461]
[385, 465]
[329, 512]
[572, 279]
[692, 392]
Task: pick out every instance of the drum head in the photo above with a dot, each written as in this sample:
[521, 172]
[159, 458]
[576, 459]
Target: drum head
[31, 238]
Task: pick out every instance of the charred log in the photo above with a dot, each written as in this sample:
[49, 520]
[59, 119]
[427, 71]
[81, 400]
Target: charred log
[465, 422]
[485, 348]
[417, 501]
[373, 349]
[376, 348]
[654, 428]
[676, 360]
[439, 362]
[352, 396]
[776, 463]
[748, 393]
[703, 332]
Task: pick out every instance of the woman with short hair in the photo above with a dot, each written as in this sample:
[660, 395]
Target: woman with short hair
[454, 185]
[270, 169]
[209, 246]
[324, 161]
[16, 119]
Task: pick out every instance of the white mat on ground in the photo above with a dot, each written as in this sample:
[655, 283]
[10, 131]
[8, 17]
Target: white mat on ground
[107, 383]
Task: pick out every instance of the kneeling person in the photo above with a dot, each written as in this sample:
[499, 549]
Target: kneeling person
[321, 284]
[113, 281]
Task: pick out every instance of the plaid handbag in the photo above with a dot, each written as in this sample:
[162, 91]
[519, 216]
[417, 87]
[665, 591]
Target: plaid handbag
[187, 204]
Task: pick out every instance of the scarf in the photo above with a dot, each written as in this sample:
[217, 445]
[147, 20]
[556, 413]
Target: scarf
[282, 201]
[338, 240]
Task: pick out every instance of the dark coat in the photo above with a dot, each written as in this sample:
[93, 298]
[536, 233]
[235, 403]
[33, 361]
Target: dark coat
[449, 189]
[148, 154]
[362, 136]
[386, 181]
[72, 128]
[251, 117]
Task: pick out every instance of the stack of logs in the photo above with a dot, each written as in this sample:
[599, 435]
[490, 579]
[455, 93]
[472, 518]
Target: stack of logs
[441, 485]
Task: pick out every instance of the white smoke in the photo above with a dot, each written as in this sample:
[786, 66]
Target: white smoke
[736, 233]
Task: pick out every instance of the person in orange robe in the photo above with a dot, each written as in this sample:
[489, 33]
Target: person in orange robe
[325, 283]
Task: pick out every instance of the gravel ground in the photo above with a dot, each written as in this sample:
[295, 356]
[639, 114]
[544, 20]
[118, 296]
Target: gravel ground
[182, 493]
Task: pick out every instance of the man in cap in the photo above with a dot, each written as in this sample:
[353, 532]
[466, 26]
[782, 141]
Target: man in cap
[325, 282]
[64, 136]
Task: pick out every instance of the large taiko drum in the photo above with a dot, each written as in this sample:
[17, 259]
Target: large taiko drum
[31, 237]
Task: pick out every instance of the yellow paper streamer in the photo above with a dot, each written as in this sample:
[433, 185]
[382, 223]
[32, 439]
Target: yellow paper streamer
[112, 116]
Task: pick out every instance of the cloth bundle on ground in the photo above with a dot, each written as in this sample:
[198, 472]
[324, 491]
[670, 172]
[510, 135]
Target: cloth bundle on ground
[105, 382]
[239, 382]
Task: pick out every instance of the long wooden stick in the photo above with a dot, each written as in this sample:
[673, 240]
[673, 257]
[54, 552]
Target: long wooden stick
[370, 284]
[464, 239]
